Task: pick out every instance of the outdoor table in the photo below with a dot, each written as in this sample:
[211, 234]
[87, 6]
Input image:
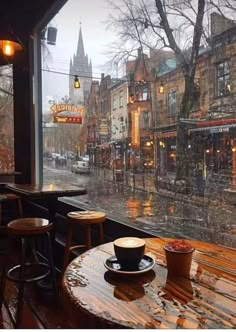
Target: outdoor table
[99, 298]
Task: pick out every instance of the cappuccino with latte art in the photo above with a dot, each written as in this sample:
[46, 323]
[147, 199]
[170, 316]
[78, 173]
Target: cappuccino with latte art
[129, 251]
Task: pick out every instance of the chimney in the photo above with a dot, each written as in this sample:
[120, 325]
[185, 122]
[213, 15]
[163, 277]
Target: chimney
[102, 76]
[220, 24]
[139, 52]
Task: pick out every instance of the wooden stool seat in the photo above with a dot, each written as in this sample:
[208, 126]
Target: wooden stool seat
[29, 226]
[11, 197]
[85, 218]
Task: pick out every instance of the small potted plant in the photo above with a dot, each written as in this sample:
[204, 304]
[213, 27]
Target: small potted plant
[178, 257]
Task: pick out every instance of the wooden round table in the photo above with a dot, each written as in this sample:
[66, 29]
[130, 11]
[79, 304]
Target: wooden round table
[104, 299]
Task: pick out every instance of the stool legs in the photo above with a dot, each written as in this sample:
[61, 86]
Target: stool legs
[0, 213]
[20, 208]
[22, 277]
[68, 246]
[3, 280]
[88, 237]
[51, 265]
[101, 233]
[20, 299]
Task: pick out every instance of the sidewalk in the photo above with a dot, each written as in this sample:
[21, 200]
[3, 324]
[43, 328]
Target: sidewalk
[213, 192]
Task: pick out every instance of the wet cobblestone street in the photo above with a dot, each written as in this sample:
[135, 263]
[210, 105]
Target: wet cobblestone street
[149, 211]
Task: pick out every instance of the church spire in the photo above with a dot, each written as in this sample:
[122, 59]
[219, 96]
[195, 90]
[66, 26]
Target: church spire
[80, 46]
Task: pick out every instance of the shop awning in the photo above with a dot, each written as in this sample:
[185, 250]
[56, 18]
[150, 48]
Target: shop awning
[167, 134]
[105, 145]
[215, 126]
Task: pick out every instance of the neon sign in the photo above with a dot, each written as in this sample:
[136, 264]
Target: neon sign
[67, 117]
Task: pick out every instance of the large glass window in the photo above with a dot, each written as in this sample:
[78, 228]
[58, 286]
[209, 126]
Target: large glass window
[132, 148]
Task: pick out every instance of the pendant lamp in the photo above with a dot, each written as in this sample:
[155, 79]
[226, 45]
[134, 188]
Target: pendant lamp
[76, 82]
[9, 43]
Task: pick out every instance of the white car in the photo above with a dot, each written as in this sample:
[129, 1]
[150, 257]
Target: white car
[85, 158]
[80, 167]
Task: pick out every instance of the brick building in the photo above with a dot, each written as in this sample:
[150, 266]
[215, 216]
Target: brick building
[212, 123]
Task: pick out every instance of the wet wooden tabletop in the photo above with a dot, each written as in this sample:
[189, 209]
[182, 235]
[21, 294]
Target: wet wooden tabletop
[46, 190]
[99, 298]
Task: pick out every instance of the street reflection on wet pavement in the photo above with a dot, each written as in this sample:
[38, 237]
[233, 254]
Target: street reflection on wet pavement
[151, 212]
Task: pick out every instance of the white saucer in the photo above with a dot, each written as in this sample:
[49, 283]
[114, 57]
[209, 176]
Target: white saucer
[145, 265]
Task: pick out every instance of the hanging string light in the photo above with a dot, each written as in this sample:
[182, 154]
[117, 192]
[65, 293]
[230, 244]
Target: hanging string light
[76, 82]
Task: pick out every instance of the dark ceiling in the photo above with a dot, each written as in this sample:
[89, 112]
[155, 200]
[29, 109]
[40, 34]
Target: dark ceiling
[24, 15]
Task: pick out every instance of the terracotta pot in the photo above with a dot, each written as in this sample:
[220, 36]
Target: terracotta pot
[178, 263]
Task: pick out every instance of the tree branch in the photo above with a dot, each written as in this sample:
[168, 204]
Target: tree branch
[197, 34]
[169, 34]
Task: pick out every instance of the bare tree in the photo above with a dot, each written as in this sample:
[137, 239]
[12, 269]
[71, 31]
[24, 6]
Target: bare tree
[180, 25]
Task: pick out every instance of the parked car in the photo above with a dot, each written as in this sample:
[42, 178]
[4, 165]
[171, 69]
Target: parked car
[80, 167]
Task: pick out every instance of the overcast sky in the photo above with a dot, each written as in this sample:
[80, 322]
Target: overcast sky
[90, 14]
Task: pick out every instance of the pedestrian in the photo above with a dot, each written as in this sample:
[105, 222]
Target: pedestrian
[199, 183]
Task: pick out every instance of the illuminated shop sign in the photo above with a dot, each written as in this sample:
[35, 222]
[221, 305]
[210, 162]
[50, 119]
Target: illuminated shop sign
[68, 119]
[58, 108]
[135, 136]
[71, 113]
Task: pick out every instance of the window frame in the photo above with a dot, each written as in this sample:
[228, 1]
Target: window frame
[221, 79]
[170, 105]
[114, 102]
[121, 99]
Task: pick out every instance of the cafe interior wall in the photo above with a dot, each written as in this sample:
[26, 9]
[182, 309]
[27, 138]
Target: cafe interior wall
[26, 19]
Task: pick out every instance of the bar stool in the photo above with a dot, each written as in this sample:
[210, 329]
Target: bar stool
[86, 219]
[29, 230]
[11, 197]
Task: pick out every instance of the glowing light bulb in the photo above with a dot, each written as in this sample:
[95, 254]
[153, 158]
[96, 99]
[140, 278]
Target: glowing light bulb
[8, 48]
